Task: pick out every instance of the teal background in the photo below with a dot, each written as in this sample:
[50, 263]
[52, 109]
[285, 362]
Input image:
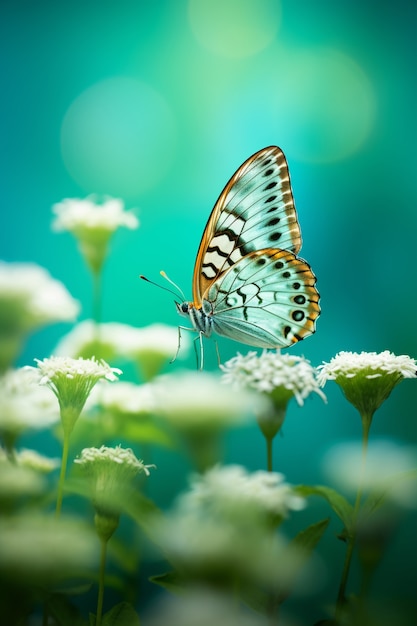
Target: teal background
[159, 103]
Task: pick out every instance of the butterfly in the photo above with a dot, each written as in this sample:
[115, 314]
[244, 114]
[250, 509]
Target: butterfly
[248, 283]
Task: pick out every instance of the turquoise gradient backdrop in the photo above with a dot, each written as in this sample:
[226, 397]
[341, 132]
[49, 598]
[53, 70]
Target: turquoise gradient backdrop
[159, 102]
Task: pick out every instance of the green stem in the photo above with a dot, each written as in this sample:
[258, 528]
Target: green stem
[100, 596]
[62, 474]
[97, 297]
[269, 442]
[366, 423]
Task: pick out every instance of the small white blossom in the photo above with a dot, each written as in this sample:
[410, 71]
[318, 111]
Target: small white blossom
[24, 405]
[197, 401]
[390, 469]
[271, 370]
[125, 397]
[150, 346]
[72, 381]
[111, 473]
[368, 378]
[95, 459]
[115, 340]
[92, 225]
[35, 461]
[56, 367]
[75, 215]
[33, 297]
[233, 488]
[371, 364]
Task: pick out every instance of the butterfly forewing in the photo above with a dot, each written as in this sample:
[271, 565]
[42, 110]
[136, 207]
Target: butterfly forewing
[267, 299]
[255, 211]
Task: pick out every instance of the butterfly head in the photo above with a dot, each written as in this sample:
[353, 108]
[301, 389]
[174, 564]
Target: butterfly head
[183, 308]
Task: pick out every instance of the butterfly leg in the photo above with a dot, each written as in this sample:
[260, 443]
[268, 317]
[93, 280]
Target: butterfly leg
[180, 328]
[218, 353]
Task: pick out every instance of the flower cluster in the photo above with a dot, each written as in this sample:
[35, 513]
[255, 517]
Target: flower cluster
[31, 297]
[92, 224]
[24, 405]
[233, 488]
[368, 378]
[110, 472]
[150, 347]
[367, 364]
[271, 370]
[72, 380]
[79, 216]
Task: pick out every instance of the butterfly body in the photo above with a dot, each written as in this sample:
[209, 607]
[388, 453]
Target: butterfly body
[249, 284]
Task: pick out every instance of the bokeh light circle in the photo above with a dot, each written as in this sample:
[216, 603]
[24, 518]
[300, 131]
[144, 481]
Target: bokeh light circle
[318, 104]
[234, 28]
[118, 137]
[325, 105]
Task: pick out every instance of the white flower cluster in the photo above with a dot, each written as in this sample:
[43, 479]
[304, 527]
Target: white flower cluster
[271, 370]
[125, 397]
[23, 403]
[58, 366]
[40, 298]
[234, 487]
[74, 215]
[95, 457]
[349, 364]
[35, 461]
[197, 400]
[121, 339]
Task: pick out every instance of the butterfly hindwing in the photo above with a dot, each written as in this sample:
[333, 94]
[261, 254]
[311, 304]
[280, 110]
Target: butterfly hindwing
[255, 211]
[267, 299]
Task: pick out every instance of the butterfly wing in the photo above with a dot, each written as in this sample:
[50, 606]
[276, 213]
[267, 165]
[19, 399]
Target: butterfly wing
[255, 211]
[267, 299]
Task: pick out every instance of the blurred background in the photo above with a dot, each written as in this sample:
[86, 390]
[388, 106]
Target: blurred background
[158, 103]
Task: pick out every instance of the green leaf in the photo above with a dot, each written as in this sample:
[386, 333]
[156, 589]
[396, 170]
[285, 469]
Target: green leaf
[339, 504]
[63, 611]
[171, 581]
[122, 614]
[310, 536]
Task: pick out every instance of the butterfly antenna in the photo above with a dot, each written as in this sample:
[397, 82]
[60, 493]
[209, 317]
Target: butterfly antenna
[160, 286]
[163, 274]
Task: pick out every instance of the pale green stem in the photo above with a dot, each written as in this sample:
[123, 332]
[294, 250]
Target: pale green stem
[97, 297]
[100, 596]
[62, 474]
[366, 423]
[269, 442]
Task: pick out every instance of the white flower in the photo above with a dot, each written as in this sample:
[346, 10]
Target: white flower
[272, 370]
[156, 339]
[35, 461]
[232, 488]
[55, 368]
[151, 346]
[33, 297]
[125, 397]
[75, 215]
[368, 378]
[24, 405]
[198, 401]
[72, 381]
[391, 469]
[115, 339]
[111, 473]
[97, 459]
[92, 225]
[371, 364]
